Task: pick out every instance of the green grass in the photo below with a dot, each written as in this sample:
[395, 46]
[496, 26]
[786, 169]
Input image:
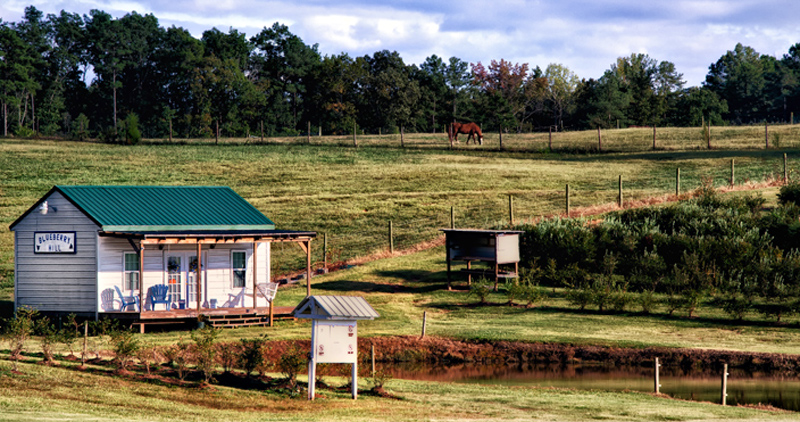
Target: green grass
[66, 394]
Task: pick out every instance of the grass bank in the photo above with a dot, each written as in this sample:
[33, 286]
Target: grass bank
[67, 394]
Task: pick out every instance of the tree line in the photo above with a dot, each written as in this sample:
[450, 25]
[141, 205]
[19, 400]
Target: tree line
[95, 75]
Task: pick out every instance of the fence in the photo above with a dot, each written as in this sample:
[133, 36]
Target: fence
[394, 230]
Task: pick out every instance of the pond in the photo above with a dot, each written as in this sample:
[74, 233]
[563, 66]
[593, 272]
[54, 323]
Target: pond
[781, 391]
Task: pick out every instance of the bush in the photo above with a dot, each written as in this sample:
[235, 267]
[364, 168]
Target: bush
[50, 335]
[178, 357]
[789, 193]
[125, 345]
[252, 355]
[79, 130]
[205, 351]
[481, 289]
[132, 133]
[292, 362]
[18, 329]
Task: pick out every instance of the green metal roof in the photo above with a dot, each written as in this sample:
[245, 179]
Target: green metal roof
[161, 208]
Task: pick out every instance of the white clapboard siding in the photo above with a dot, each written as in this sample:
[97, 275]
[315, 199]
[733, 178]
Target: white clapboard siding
[56, 282]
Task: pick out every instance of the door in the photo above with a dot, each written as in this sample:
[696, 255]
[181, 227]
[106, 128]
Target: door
[182, 279]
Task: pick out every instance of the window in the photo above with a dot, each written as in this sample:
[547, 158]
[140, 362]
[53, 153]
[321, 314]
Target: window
[239, 268]
[131, 271]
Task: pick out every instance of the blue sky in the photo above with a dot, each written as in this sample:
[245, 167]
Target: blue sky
[585, 36]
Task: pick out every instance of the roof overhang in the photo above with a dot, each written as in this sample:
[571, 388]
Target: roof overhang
[212, 236]
[335, 308]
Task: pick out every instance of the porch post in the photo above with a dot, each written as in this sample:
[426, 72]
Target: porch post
[308, 268]
[255, 274]
[199, 275]
[141, 276]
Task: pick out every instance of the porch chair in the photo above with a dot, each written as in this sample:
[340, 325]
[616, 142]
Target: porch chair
[127, 301]
[267, 291]
[160, 294]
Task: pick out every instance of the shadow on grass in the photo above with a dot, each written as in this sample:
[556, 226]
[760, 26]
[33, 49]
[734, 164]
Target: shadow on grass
[671, 155]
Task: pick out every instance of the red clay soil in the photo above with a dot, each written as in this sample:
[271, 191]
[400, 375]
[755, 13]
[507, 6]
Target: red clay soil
[438, 350]
[443, 350]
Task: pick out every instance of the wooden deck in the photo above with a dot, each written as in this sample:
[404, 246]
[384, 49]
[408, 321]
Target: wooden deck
[217, 317]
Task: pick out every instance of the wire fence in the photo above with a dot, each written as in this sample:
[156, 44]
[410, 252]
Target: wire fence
[365, 238]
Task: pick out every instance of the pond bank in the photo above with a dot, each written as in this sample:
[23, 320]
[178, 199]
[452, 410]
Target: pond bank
[444, 350]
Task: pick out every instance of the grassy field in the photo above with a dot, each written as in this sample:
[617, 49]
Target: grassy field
[66, 394]
[351, 194]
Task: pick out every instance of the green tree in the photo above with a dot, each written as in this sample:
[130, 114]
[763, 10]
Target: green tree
[738, 78]
[561, 86]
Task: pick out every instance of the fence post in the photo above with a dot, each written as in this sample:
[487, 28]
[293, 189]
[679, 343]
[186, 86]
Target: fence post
[452, 217]
[501, 138]
[654, 137]
[766, 134]
[424, 322]
[391, 238]
[325, 250]
[791, 118]
[619, 200]
[85, 338]
[355, 140]
[657, 379]
[308, 136]
[567, 200]
[372, 354]
[262, 130]
[511, 210]
[678, 181]
[599, 140]
[402, 140]
[733, 174]
[785, 171]
[724, 394]
[550, 139]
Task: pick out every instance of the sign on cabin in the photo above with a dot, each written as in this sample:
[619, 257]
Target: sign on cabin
[54, 242]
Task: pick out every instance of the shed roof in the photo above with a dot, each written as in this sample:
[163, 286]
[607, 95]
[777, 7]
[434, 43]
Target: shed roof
[162, 208]
[335, 308]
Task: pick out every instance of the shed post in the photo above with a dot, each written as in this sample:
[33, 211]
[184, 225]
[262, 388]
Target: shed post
[141, 277]
[255, 274]
[308, 268]
[511, 209]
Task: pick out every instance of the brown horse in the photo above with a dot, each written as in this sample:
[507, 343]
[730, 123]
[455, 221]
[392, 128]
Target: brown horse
[471, 129]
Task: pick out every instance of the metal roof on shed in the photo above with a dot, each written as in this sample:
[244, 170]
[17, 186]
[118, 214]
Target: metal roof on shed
[335, 308]
[161, 208]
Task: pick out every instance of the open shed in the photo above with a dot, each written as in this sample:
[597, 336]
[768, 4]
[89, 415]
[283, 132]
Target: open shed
[147, 253]
[497, 250]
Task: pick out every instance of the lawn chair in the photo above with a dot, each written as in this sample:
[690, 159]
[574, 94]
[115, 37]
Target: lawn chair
[127, 301]
[160, 294]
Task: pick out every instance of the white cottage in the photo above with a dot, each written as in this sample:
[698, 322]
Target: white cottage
[133, 252]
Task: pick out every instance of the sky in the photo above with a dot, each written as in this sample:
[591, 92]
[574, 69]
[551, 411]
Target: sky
[585, 36]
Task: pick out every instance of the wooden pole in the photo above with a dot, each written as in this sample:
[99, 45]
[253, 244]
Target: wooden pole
[511, 210]
[355, 140]
[724, 393]
[791, 118]
[199, 277]
[654, 137]
[308, 133]
[657, 380]
[308, 268]
[550, 139]
[599, 140]
[216, 139]
[141, 276]
[85, 340]
[619, 197]
[170, 129]
[261, 123]
[678, 181]
[567, 200]
[424, 323]
[391, 238]
[785, 171]
[255, 274]
[501, 138]
[452, 217]
[766, 134]
[325, 250]
[402, 137]
[733, 173]
[372, 355]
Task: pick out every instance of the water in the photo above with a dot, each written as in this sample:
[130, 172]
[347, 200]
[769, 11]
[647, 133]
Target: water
[781, 391]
